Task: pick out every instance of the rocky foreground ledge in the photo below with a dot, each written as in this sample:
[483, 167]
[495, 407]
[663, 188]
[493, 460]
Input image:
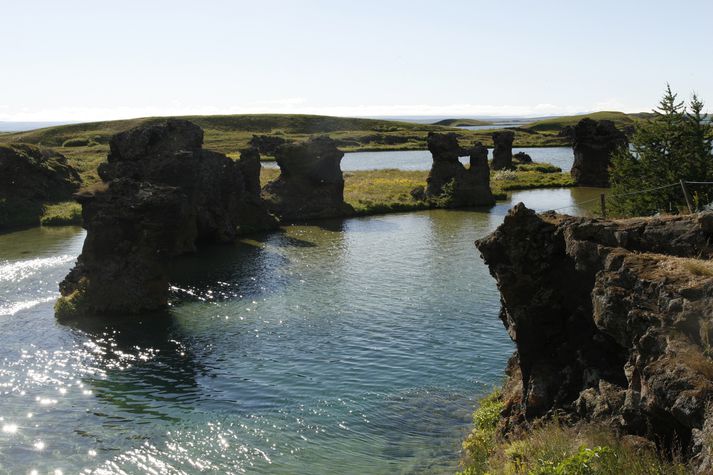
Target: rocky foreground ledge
[613, 322]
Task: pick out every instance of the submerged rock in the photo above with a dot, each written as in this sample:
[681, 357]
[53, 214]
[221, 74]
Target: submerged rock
[450, 180]
[612, 322]
[30, 177]
[162, 195]
[502, 149]
[310, 185]
[594, 142]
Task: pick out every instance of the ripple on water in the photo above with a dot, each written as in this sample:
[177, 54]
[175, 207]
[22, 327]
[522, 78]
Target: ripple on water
[356, 346]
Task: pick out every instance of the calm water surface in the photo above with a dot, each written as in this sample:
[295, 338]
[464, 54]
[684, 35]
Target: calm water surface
[356, 346]
[421, 159]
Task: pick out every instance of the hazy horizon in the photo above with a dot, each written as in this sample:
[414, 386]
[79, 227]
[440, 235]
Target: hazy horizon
[81, 61]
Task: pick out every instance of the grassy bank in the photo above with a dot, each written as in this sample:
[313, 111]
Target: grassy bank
[553, 448]
[385, 191]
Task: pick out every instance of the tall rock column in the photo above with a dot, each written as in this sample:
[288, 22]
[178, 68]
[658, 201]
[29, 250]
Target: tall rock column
[465, 187]
[594, 142]
[502, 150]
[311, 184]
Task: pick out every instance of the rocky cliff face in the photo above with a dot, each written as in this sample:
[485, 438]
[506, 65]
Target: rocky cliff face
[163, 194]
[310, 185]
[502, 149]
[613, 322]
[594, 142]
[468, 187]
[31, 176]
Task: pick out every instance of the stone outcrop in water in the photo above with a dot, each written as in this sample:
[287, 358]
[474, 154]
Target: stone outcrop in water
[502, 149]
[31, 176]
[594, 142]
[522, 158]
[613, 323]
[310, 185]
[162, 195]
[464, 187]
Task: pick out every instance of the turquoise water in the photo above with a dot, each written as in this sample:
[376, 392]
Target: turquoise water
[355, 346]
[562, 157]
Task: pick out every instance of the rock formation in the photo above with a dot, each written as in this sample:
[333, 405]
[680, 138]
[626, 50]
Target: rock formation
[502, 149]
[267, 144]
[465, 187]
[612, 321]
[162, 195]
[310, 185]
[522, 158]
[30, 177]
[594, 142]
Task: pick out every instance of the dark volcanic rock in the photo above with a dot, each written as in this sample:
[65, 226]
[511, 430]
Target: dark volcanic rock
[594, 142]
[310, 185]
[30, 177]
[522, 157]
[163, 195]
[134, 228]
[464, 187]
[612, 321]
[267, 144]
[502, 149]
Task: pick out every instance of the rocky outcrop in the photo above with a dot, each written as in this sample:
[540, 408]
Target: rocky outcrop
[30, 177]
[522, 158]
[594, 142]
[612, 321]
[463, 187]
[310, 185]
[502, 149]
[162, 195]
[267, 144]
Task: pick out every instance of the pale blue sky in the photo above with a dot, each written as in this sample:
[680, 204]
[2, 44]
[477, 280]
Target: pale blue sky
[88, 60]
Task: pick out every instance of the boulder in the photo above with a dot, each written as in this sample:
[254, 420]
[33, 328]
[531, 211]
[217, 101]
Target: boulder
[30, 177]
[267, 144]
[594, 142]
[522, 158]
[310, 185]
[611, 321]
[162, 195]
[463, 187]
[502, 149]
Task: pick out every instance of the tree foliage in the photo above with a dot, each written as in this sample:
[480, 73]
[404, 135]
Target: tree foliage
[673, 145]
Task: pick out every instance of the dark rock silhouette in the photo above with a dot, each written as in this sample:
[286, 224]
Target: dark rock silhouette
[267, 144]
[162, 195]
[310, 185]
[594, 142]
[612, 322]
[30, 177]
[502, 149]
[522, 157]
[463, 187]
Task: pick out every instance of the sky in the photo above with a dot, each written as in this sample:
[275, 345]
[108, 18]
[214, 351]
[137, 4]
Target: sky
[98, 60]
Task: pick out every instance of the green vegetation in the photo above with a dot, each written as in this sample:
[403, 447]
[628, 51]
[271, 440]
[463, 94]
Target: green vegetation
[555, 449]
[675, 144]
[15, 212]
[62, 214]
[556, 124]
[462, 122]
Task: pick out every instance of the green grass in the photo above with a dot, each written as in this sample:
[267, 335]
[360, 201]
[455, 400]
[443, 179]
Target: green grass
[62, 214]
[556, 124]
[86, 145]
[555, 449]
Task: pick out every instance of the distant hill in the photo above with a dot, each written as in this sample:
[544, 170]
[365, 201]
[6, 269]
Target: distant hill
[555, 124]
[461, 122]
[23, 126]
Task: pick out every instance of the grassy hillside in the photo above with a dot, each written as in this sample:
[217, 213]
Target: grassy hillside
[461, 122]
[86, 145]
[556, 124]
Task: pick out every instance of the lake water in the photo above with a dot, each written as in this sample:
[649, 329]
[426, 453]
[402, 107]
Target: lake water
[421, 159]
[353, 346]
